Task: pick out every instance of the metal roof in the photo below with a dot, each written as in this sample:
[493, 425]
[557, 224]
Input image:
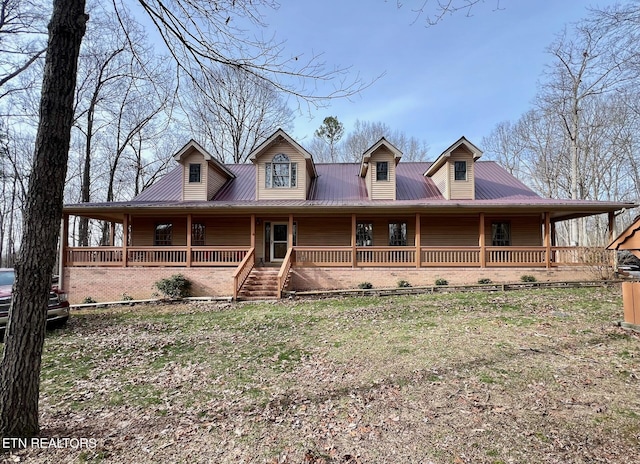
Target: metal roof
[341, 182]
[339, 187]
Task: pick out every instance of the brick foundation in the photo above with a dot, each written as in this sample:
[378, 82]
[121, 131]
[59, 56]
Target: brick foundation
[344, 278]
[110, 283]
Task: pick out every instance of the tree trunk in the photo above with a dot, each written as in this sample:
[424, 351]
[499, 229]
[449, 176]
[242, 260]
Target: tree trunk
[24, 338]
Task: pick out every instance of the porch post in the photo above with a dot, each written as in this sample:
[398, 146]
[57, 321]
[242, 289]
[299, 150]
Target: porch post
[125, 239]
[112, 234]
[612, 226]
[612, 229]
[547, 238]
[481, 243]
[554, 238]
[418, 255]
[189, 227]
[354, 252]
[253, 231]
[290, 238]
[64, 243]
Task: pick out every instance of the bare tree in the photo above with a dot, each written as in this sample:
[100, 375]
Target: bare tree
[24, 337]
[197, 34]
[22, 40]
[238, 112]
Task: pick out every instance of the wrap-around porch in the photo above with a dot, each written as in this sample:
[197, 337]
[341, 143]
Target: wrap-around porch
[483, 240]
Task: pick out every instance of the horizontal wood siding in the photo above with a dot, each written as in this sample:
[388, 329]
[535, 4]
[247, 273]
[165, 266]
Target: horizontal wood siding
[449, 231]
[229, 231]
[143, 230]
[440, 178]
[296, 193]
[382, 190]
[215, 181]
[324, 232]
[194, 190]
[525, 230]
[461, 189]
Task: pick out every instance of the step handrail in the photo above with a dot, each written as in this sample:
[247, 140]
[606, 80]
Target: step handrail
[287, 262]
[242, 272]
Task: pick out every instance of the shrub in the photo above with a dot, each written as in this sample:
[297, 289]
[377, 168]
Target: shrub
[403, 284]
[126, 297]
[484, 281]
[365, 285]
[88, 300]
[527, 278]
[176, 286]
[442, 282]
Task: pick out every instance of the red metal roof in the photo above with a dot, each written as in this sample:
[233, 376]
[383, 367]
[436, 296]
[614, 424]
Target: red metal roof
[340, 182]
[339, 186]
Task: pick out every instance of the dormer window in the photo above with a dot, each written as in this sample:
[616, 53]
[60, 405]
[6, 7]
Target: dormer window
[382, 170]
[194, 172]
[281, 172]
[460, 168]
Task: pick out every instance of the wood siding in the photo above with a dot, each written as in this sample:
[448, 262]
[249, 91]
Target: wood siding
[440, 178]
[336, 231]
[215, 181]
[450, 231]
[194, 190]
[525, 230]
[386, 189]
[299, 192]
[143, 230]
[324, 232]
[461, 189]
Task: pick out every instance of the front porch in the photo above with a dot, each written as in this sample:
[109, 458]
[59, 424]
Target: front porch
[238, 244]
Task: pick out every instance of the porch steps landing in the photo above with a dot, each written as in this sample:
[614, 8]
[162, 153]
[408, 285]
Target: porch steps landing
[262, 284]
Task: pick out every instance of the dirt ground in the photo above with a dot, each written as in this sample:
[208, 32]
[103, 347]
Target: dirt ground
[528, 376]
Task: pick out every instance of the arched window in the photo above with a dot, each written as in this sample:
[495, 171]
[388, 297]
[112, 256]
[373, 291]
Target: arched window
[281, 172]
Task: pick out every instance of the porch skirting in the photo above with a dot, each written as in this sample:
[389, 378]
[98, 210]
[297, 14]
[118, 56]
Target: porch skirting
[113, 283]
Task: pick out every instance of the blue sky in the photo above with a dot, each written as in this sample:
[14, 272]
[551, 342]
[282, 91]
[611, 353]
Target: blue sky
[460, 77]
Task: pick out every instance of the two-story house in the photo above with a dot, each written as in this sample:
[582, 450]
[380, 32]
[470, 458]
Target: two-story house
[285, 221]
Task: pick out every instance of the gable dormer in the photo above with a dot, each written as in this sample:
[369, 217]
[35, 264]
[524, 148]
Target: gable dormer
[284, 169]
[453, 172]
[202, 174]
[378, 167]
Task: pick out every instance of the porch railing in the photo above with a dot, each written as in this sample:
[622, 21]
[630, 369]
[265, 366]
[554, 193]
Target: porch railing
[336, 256]
[155, 256]
[451, 256]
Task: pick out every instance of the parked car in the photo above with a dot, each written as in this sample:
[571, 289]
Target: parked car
[57, 310]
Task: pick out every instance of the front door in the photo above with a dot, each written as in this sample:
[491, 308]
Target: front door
[279, 240]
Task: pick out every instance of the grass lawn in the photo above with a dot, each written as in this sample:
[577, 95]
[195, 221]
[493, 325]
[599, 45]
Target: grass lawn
[526, 376]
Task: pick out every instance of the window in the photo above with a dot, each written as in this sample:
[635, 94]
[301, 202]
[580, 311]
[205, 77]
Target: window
[460, 170]
[364, 234]
[163, 234]
[281, 172]
[194, 173]
[382, 170]
[398, 234]
[197, 234]
[501, 234]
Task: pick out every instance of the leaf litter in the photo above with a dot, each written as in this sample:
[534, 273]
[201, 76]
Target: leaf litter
[528, 376]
